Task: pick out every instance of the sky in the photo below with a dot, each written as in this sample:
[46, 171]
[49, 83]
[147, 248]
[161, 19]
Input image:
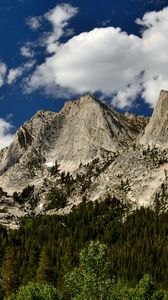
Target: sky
[53, 51]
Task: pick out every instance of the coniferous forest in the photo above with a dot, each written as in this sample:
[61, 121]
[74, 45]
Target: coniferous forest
[46, 248]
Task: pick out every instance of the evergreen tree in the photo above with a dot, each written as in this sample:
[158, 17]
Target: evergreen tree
[43, 271]
[10, 271]
[91, 280]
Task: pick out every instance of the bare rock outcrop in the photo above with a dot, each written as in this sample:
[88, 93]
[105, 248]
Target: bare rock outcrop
[80, 132]
[156, 132]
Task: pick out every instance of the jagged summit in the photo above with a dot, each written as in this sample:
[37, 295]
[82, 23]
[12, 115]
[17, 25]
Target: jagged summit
[83, 130]
[156, 132]
[88, 99]
[107, 153]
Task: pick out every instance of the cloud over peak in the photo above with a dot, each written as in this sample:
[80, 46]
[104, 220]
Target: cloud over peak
[109, 60]
[83, 63]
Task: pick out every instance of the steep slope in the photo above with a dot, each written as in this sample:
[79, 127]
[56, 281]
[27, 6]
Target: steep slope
[135, 176]
[140, 173]
[156, 132]
[81, 131]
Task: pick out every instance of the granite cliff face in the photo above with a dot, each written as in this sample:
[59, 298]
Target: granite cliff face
[98, 152]
[156, 133]
[83, 130]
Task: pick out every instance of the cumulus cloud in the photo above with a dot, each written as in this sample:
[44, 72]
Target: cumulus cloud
[108, 60]
[58, 17]
[26, 51]
[125, 97]
[6, 136]
[90, 62]
[3, 70]
[34, 22]
[15, 73]
[154, 46]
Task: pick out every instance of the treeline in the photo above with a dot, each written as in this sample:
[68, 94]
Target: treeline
[47, 248]
[91, 280]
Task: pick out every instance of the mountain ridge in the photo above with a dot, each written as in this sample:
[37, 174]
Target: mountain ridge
[81, 131]
[156, 133]
[87, 150]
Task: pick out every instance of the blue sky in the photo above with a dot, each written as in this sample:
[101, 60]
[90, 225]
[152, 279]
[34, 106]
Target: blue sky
[51, 51]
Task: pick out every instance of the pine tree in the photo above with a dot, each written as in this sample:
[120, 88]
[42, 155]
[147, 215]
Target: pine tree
[43, 271]
[10, 271]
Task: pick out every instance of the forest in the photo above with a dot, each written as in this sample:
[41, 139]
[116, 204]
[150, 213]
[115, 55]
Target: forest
[45, 254]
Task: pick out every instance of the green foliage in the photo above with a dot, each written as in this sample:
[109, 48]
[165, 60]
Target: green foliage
[9, 271]
[27, 195]
[56, 199]
[91, 280]
[161, 199]
[36, 291]
[155, 156]
[92, 169]
[46, 248]
[145, 290]
[64, 185]
[54, 170]
[44, 270]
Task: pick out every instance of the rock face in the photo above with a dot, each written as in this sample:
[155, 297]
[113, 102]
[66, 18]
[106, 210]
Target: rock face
[81, 131]
[106, 153]
[156, 132]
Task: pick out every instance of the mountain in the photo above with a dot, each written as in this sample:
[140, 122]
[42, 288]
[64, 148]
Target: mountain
[86, 151]
[63, 162]
[139, 174]
[156, 133]
[81, 131]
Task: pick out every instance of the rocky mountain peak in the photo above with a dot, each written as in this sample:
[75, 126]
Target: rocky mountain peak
[156, 132]
[87, 150]
[85, 100]
[83, 130]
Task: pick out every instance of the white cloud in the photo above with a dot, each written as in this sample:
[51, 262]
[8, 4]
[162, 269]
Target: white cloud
[5, 133]
[92, 61]
[69, 32]
[108, 60]
[26, 51]
[154, 46]
[126, 96]
[58, 17]
[16, 73]
[34, 22]
[3, 70]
